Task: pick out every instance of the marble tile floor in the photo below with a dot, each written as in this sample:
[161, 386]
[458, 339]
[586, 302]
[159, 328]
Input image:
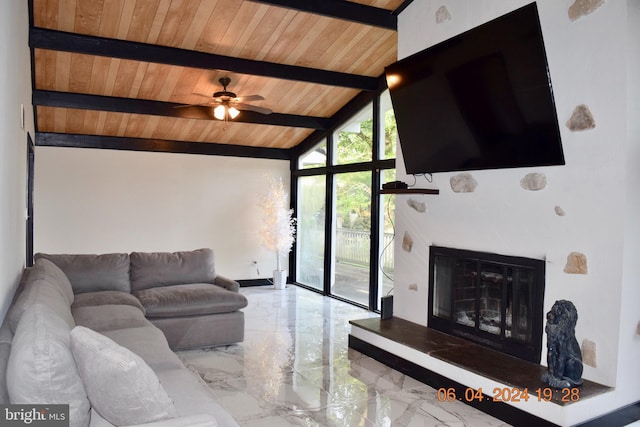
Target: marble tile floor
[295, 369]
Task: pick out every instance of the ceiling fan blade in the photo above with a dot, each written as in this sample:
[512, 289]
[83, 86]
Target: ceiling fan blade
[201, 94]
[249, 107]
[249, 98]
[206, 104]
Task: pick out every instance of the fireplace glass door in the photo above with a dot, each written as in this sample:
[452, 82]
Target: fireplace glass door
[491, 299]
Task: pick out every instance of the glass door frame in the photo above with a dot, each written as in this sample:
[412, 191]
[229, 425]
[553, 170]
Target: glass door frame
[376, 166]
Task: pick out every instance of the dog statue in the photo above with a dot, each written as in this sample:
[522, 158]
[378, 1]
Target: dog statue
[564, 359]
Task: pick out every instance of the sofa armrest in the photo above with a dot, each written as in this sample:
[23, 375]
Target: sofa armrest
[228, 284]
[198, 420]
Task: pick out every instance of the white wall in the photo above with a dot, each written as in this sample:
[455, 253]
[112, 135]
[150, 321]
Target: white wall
[100, 201]
[588, 65]
[629, 353]
[15, 90]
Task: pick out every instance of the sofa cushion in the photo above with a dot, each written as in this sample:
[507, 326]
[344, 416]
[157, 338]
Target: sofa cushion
[41, 368]
[107, 298]
[45, 284]
[192, 396]
[109, 317]
[91, 273]
[45, 269]
[121, 386]
[153, 269]
[189, 300]
[149, 343]
[208, 330]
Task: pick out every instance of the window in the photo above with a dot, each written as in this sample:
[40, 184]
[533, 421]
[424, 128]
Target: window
[311, 231]
[345, 237]
[315, 158]
[387, 237]
[387, 128]
[354, 139]
[351, 263]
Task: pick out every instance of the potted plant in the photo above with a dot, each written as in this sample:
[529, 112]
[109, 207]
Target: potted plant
[278, 228]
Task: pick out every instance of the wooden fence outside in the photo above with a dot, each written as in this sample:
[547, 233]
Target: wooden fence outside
[352, 246]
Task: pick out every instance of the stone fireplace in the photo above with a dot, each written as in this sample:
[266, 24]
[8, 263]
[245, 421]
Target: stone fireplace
[494, 300]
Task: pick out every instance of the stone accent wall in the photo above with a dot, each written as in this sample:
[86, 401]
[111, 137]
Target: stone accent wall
[420, 207]
[407, 242]
[576, 263]
[534, 181]
[581, 8]
[442, 15]
[589, 353]
[581, 119]
[544, 212]
[463, 183]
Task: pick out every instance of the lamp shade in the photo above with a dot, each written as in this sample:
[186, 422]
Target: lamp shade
[219, 112]
[222, 110]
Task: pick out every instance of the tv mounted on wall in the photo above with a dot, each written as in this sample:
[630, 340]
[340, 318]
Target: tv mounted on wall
[480, 100]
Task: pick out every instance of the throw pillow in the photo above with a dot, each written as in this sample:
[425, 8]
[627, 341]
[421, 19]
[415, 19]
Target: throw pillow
[120, 385]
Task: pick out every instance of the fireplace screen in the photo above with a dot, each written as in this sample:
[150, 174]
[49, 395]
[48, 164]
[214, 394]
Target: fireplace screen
[492, 299]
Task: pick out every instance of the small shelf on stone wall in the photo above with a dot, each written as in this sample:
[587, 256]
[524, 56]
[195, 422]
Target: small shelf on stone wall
[409, 191]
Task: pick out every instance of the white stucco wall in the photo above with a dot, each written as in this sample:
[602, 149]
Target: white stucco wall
[99, 201]
[628, 379]
[588, 65]
[15, 90]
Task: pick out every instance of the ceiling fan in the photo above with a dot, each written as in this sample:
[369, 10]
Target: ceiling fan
[227, 104]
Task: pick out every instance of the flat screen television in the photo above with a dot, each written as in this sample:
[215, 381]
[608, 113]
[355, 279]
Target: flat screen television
[480, 100]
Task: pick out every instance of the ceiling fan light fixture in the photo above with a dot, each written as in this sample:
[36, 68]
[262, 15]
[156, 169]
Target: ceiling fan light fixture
[220, 112]
[226, 105]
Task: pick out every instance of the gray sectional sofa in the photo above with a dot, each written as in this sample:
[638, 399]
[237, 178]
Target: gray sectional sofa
[98, 332]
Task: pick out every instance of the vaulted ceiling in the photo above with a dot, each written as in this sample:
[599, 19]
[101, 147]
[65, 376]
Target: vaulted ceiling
[110, 73]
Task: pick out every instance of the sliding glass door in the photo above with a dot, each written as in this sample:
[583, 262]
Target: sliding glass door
[311, 231]
[352, 237]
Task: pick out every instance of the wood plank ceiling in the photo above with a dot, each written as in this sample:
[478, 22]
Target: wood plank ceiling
[110, 73]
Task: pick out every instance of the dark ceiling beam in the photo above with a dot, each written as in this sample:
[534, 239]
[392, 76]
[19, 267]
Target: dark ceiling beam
[41, 38]
[167, 109]
[402, 7]
[348, 11]
[46, 139]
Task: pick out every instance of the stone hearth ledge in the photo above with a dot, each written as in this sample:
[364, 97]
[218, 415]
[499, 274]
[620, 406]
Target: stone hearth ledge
[477, 367]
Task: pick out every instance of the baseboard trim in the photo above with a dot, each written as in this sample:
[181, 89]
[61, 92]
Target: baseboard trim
[254, 282]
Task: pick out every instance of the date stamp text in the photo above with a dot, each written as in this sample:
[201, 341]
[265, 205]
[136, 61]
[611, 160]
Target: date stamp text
[509, 394]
